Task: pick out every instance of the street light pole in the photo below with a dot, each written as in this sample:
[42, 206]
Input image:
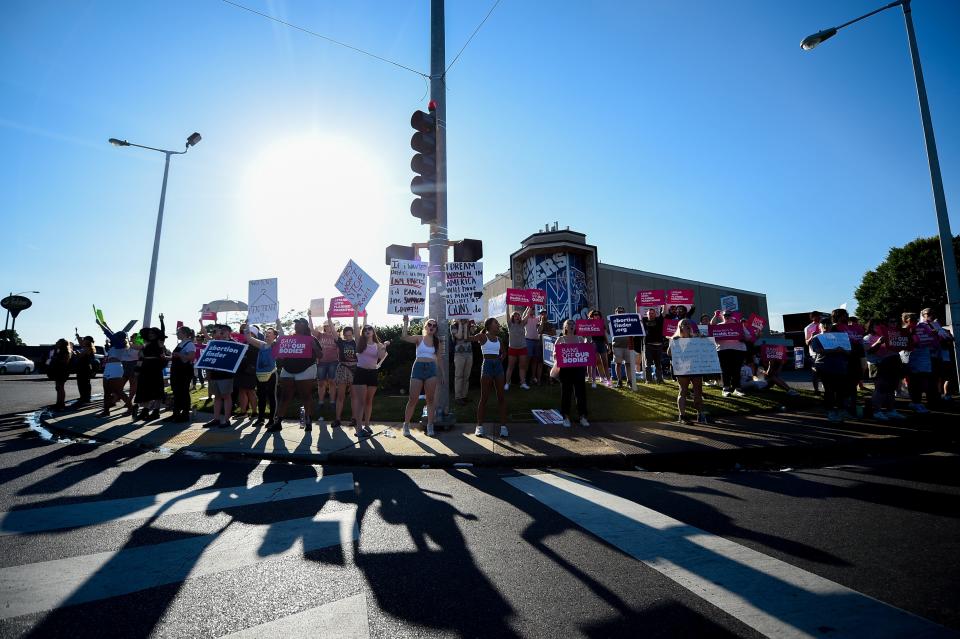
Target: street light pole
[151, 283]
[939, 199]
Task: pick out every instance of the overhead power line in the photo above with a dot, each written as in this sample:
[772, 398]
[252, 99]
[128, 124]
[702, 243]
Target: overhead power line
[471, 37]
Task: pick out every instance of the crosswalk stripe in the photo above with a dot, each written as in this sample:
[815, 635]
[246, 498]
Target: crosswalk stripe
[769, 595]
[50, 584]
[343, 619]
[76, 515]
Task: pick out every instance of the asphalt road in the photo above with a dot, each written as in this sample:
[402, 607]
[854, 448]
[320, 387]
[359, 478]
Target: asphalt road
[106, 540]
[28, 392]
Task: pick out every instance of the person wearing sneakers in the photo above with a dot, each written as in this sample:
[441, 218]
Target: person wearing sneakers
[517, 350]
[532, 339]
[425, 374]
[919, 363]
[298, 375]
[603, 359]
[810, 331]
[887, 368]
[220, 384]
[347, 364]
[328, 362]
[623, 357]
[491, 373]
[685, 331]
[370, 354]
[831, 365]
[573, 379]
[266, 373]
[731, 353]
[181, 372]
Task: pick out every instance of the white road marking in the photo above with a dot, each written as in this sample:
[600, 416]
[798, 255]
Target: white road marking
[344, 619]
[62, 582]
[769, 595]
[76, 515]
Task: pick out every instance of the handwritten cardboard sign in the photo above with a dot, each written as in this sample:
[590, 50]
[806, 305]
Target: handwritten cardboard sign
[464, 290]
[356, 285]
[262, 304]
[408, 288]
[650, 299]
[682, 296]
[293, 347]
[694, 356]
[773, 352]
[590, 327]
[732, 331]
[757, 322]
[222, 355]
[626, 325]
[572, 355]
[341, 307]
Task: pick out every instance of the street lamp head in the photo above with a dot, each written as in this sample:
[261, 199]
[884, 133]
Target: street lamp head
[116, 142]
[193, 139]
[813, 40]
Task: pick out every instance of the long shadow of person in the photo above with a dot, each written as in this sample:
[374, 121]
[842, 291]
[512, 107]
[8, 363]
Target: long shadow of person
[414, 587]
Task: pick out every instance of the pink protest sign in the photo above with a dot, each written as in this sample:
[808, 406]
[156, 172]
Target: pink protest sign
[670, 327]
[855, 331]
[650, 298]
[590, 327]
[776, 352]
[525, 296]
[293, 347]
[538, 296]
[757, 322]
[925, 335]
[341, 307]
[898, 340]
[732, 331]
[680, 296]
[208, 315]
[571, 355]
[736, 315]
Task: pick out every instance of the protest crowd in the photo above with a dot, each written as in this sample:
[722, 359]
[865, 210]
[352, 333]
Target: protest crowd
[255, 371]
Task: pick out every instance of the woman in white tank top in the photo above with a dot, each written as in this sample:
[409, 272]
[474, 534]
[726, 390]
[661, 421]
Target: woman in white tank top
[424, 376]
[491, 374]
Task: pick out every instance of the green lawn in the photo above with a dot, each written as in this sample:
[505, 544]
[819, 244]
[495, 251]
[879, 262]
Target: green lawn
[651, 403]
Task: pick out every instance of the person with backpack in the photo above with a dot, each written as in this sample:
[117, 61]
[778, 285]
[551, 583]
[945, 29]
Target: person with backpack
[58, 369]
[298, 375]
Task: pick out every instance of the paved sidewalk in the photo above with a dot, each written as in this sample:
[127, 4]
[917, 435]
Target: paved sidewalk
[767, 438]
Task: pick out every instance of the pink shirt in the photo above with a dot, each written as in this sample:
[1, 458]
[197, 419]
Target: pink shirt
[530, 328]
[328, 348]
[368, 358]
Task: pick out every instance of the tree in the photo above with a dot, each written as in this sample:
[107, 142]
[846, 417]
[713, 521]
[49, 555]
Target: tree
[910, 279]
[9, 337]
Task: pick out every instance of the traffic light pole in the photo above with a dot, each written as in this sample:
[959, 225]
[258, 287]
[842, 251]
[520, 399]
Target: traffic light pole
[438, 230]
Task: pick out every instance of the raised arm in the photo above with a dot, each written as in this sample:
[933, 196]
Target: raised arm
[253, 341]
[310, 320]
[526, 313]
[163, 327]
[405, 334]
[356, 324]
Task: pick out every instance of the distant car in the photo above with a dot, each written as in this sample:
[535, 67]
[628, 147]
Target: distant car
[16, 364]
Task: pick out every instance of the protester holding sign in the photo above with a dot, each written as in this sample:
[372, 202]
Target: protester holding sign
[544, 327]
[856, 362]
[329, 359]
[181, 372]
[532, 339]
[298, 375]
[731, 349]
[370, 354]
[603, 357]
[623, 353]
[245, 382]
[460, 332]
[113, 379]
[830, 361]
[685, 331]
[919, 364]
[266, 376]
[652, 347]
[573, 378]
[810, 331]
[887, 368]
[425, 373]
[491, 374]
[517, 349]
[347, 354]
[220, 383]
[772, 356]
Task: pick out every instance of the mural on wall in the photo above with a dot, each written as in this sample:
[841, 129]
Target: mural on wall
[564, 277]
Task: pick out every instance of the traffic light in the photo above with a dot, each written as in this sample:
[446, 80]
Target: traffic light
[467, 250]
[424, 163]
[400, 252]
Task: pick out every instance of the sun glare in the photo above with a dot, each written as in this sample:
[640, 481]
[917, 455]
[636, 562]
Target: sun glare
[313, 177]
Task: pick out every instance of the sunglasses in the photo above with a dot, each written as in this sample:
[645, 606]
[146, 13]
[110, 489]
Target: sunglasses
[431, 325]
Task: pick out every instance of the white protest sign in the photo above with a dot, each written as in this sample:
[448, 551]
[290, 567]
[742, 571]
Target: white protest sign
[730, 303]
[832, 340]
[356, 285]
[694, 356]
[317, 307]
[262, 304]
[497, 306]
[464, 290]
[408, 288]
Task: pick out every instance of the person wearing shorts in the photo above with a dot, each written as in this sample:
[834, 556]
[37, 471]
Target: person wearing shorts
[492, 374]
[532, 339]
[370, 354]
[516, 351]
[346, 365]
[328, 361]
[623, 355]
[220, 384]
[685, 331]
[298, 375]
[424, 375]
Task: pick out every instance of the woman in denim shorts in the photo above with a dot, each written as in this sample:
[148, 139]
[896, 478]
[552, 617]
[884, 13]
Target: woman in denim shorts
[424, 375]
[347, 365]
[328, 361]
[491, 374]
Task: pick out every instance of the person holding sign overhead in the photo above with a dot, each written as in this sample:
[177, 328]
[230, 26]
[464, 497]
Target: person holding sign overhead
[370, 354]
[831, 353]
[731, 352]
[886, 365]
[685, 331]
[347, 352]
[266, 375]
[491, 374]
[516, 350]
[425, 375]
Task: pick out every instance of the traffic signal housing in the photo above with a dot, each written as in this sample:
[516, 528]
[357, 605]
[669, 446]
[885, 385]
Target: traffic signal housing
[400, 252]
[424, 164]
[468, 250]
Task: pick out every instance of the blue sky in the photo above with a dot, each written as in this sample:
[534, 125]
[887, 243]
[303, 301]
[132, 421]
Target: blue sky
[694, 139]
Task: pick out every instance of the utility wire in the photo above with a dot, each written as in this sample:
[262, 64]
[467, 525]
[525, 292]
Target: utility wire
[329, 39]
[470, 38]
